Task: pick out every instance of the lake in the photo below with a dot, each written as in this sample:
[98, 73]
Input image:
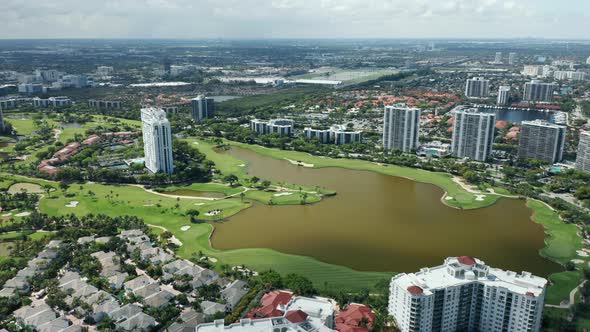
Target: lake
[381, 223]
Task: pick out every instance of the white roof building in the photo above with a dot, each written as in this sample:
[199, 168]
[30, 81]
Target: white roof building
[466, 294]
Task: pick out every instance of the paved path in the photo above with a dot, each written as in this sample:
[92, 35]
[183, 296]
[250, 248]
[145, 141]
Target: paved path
[572, 298]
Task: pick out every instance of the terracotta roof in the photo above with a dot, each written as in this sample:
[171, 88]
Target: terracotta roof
[350, 319]
[529, 294]
[415, 290]
[466, 260]
[296, 316]
[276, 298]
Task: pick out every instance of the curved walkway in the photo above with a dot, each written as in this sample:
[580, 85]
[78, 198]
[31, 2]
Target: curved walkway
[572, 298]
[173, 239]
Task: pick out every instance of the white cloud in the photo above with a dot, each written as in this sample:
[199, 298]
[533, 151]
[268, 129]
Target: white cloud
[292, 18]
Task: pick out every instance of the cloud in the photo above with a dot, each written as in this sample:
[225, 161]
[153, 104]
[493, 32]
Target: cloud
[292, 18]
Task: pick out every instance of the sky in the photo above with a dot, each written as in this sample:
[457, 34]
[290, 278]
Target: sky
[194, 19]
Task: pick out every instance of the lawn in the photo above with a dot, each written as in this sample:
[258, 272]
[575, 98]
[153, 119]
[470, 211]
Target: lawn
[562, 239]
[561, 243]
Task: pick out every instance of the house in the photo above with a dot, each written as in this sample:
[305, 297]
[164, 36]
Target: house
[137, 283]
[355, 315]
[233, 293]
[318, 309]
[159, 299]
[211, 308]
[187, 322]
[131, 318]
[269, 304]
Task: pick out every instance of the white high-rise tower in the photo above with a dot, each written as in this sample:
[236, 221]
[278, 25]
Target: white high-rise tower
[400, 128]
[157, 140]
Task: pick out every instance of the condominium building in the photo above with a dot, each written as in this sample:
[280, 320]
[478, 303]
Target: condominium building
[541, 140]
[157, 140]
[341, 135]
[569, 75]
[503, 95]
[477, 87]
[588, 61]
[536, 90]
[202, 108]
[498, 58]
[473, 133]
[512, 57]
[52, 102]
[532, 70]
[400, 128]
[283, 127]
[465, 294]
[105, 103]
[583, 158]
[323, 135]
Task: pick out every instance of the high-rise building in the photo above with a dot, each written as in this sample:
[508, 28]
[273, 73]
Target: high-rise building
[569, 75]
[202, 108]
[536, 90]
[583, 158]
[283, 127]
[503, 95]
[473, 134]
[541, 140]
[477, 87]
[588, 61]
[512, 58]
[400, 128]
[465, 294]
[498, 58]
[157, 141]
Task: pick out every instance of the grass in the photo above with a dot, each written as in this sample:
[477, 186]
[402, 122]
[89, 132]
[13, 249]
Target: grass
[562, 239]
[561, 243]
[461, 198]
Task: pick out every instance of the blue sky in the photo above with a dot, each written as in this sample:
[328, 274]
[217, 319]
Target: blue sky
[295, 19]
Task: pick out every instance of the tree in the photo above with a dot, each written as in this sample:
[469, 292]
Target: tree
[271, 279]
[231, 179]
[193, 213]
[64, 186]
[47, 188]
[242, 195]
[300, 285]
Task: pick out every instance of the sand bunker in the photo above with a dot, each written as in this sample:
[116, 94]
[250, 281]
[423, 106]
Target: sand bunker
[213, 213]
[185, 228]
[282, 194]
[480, 197]
[23, 214]
[73, 204]
[448, 198]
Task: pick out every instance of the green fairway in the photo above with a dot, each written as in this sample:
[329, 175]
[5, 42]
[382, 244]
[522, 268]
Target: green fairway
[561, 243]
[562, 239]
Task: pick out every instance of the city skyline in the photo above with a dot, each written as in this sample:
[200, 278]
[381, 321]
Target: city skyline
[295, 19]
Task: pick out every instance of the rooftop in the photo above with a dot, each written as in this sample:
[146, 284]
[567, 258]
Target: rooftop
[462, 270]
